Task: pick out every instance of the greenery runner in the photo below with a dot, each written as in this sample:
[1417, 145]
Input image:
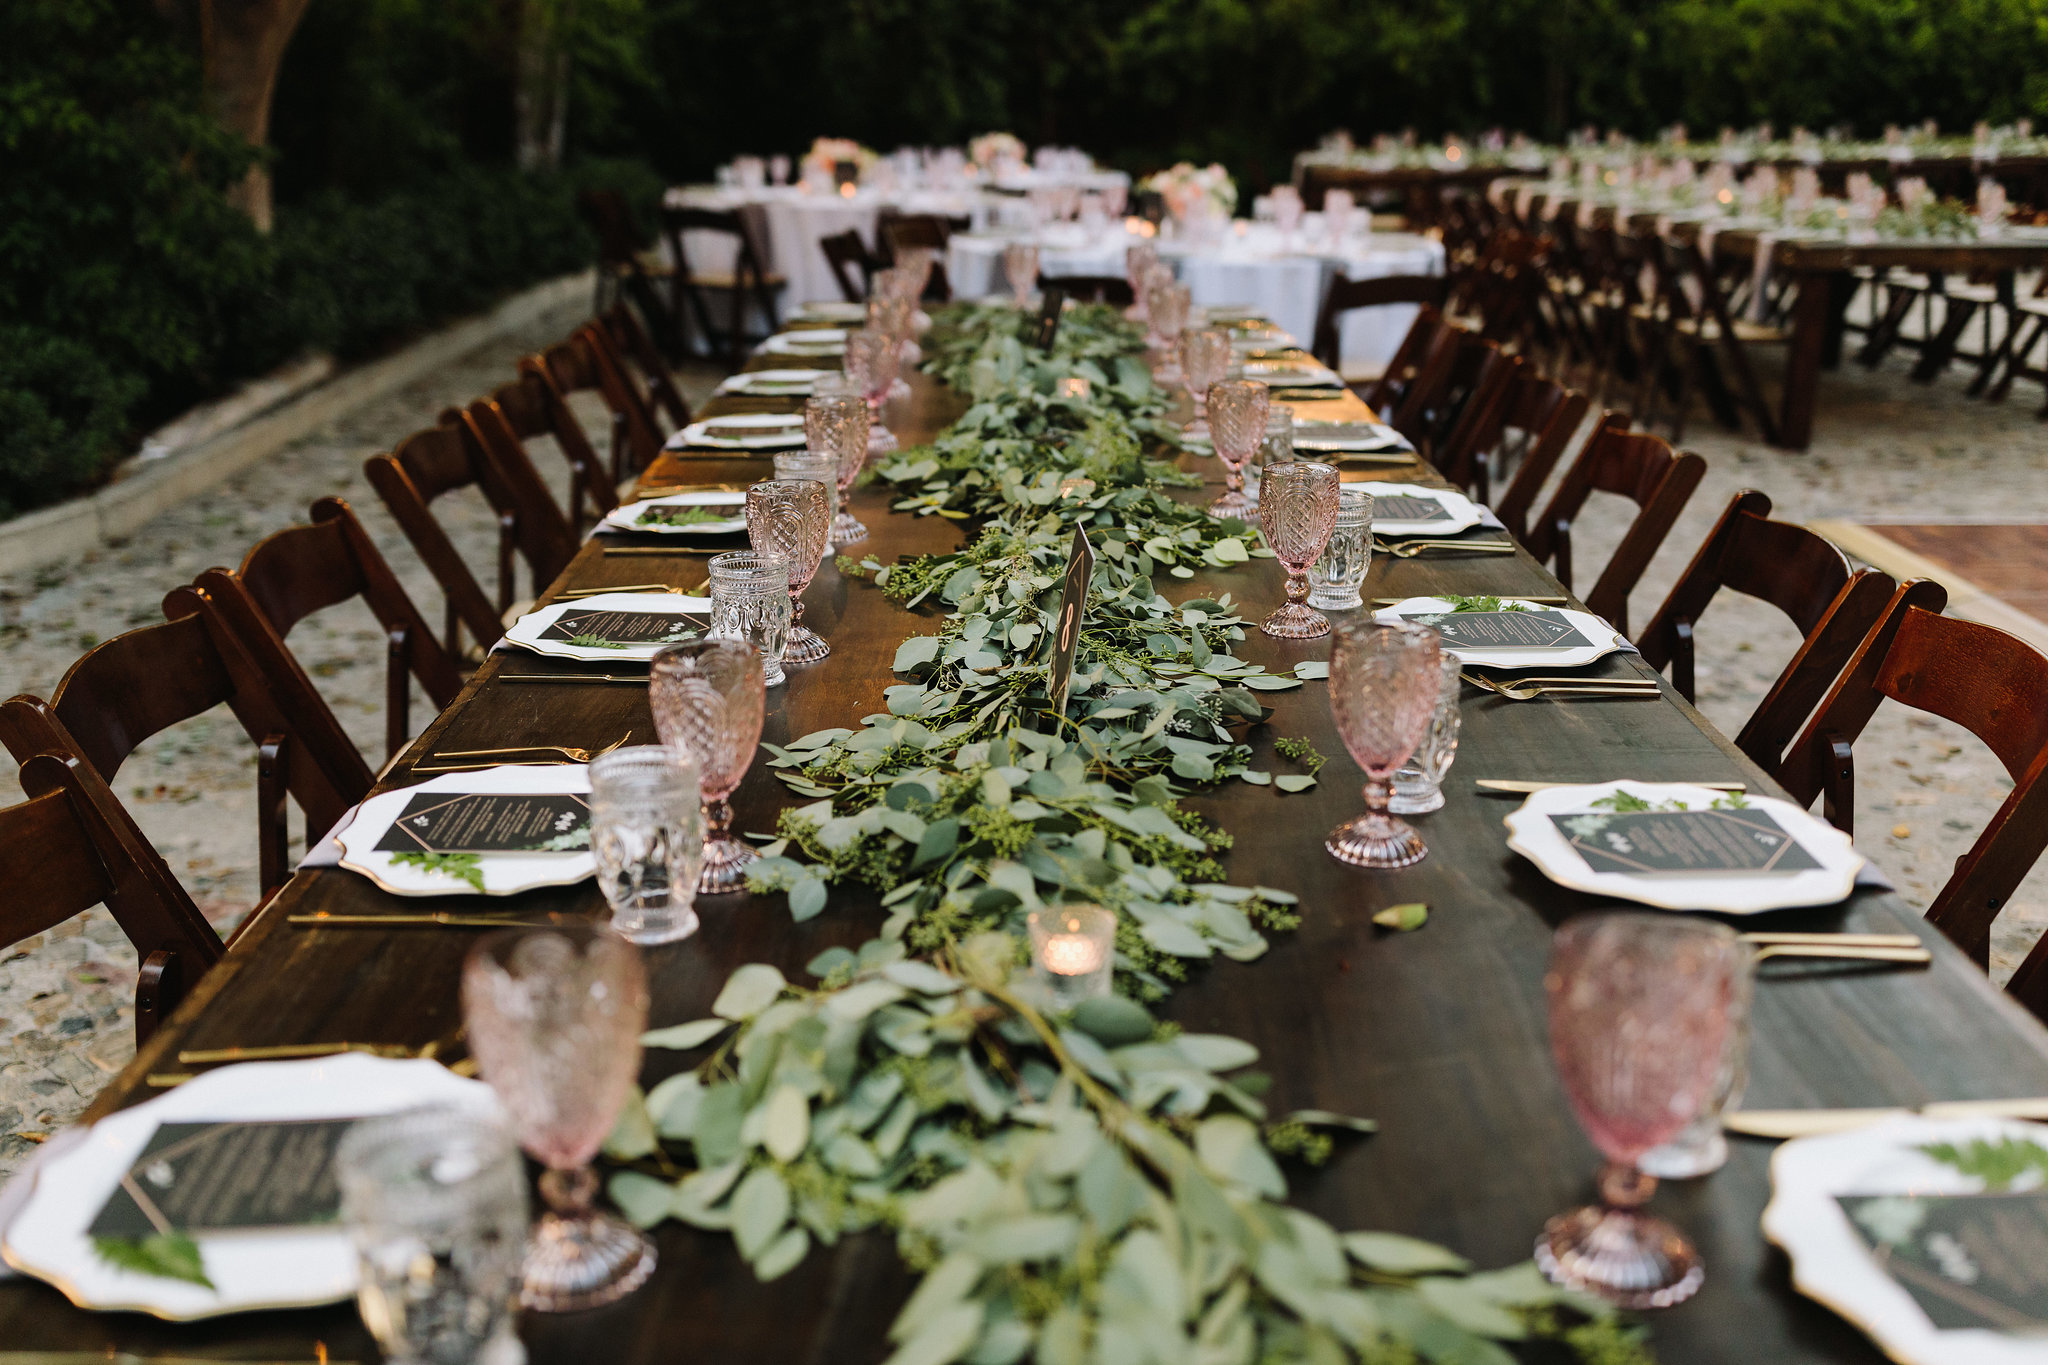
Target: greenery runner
[1095, 1186]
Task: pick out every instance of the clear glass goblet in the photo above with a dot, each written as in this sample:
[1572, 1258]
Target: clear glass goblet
[1639, 1012]
[709, 698]
[1383, 689]
[918, 261]
[1419, 785]
[554, 1018]
[1020, 267]
[647, 833]
[1339, 572]
[1276, 447]
[793, 518]
[1205, 359]
[839, 423]
[1237, 422]
[872, 360]
[750, 604]
[1297, 512]
[435, 1201]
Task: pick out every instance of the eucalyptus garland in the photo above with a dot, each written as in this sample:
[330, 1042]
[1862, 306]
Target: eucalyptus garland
[1083, 1186]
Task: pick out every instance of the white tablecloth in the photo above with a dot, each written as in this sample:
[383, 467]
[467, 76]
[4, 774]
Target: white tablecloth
[1284, 280]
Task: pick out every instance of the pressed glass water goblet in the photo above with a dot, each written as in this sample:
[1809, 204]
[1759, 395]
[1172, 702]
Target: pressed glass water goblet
[1339, 572]
[918, 262]
[1169, 304]
[839, 423]
[750, 604]
[1419, 785]
[793, 518]
[554, 1018]
[1383, 689]
[818, 464]
[1237, 422]
[708, 698]
[1297, 512]
[647, 834]
[1639, 1008]
[1020, 267]
[871, 362]
[1699, 1148]
[435, 1201]
[1205, 359]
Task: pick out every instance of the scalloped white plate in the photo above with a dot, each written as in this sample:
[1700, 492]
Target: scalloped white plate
[771, 431]
[626, 516]
[817, 341]
[771, 383]
[294, 1268]
[1605, 639]
[526, 631]
[1461, 513]
[505, 874]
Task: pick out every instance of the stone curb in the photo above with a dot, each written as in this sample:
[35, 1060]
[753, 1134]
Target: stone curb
[52, 534]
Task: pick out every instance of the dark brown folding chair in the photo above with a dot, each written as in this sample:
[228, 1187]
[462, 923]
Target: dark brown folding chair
[1992, 684]
[575, 366]
[1468, 431]
[1344, 295]
[1833, 604]
[1634, 465]
[1538, 422]
[133, 686]
[1401, 372]
[1091, 288]
[303, 569]
[846, 253]
[630, 341]
[896, 232]
[60, 856]
[747, 286]
[625, 268]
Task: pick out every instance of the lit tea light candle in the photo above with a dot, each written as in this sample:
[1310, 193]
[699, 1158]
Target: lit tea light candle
[1075, 386]
[1076, 486]
[1074, 949]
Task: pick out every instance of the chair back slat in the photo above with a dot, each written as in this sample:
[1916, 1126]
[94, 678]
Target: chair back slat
[847, 254]
[631, 342]
[563, 369]
[1386, 393]
[1344, 295]
[1113, 289]
[748, 284]
[1547, 416]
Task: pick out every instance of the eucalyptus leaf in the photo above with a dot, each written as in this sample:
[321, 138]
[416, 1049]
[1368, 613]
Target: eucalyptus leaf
[760, 1206]
[748, 991]
[696, 1033]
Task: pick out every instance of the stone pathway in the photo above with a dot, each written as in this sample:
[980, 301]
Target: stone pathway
[1887, 450]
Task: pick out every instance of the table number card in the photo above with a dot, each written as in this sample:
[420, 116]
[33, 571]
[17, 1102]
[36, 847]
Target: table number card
[622, 629]
[1504, 629]
[1684, 842]
[208, 1177]
[490, 822]
[1969, 1260]
[1067, 625]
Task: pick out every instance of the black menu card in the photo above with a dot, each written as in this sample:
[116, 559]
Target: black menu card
[490, 822]
[1969, 1260]
[618, 629]
[1506, 630]
[1684, 842]
[203, 1177]
[1404, 507]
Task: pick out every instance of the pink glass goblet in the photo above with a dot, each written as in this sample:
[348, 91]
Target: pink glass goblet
[838, 423]
[919, 261]
[1297, 513]
[793, 518]
[1169, 304]
[871, 363]
[1205, 357]
[708, 698]
[1020, 267]
[1640, 1009]
[1139, 259]
[1237, 423]
[554, 1019]
[1384, 681]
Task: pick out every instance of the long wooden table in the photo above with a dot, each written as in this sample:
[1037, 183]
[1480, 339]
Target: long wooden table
[1438, 1034]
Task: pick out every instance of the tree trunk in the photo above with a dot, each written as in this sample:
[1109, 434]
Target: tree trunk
[541, 94]
[242, 44]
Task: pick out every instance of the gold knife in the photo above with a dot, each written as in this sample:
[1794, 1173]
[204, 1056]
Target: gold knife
[1503, 784]
[1793, 1123]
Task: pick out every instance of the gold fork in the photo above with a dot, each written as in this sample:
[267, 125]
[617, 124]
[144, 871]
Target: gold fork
[573, 755]
[623, 587]
[1409, 549]
[1592, 687]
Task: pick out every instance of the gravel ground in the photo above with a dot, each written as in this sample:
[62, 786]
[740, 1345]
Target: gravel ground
[1886, 450]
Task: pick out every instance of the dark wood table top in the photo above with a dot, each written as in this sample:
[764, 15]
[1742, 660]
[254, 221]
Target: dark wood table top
[1438, 1034]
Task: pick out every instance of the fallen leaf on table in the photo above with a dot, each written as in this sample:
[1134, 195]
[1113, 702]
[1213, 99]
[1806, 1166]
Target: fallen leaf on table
[1402, 918]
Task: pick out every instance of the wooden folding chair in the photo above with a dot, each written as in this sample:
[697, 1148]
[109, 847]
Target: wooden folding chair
[304, 569]
[626, 270]
[746, 285]
[1406, 366]
[580, 365]
[630, 341]
[1467, 432]
[896, 232]
[846, 253]
[1345, 295]
[1538, 421]
[60, 856]
[1634, 465]
[1687, 325]
[1090, 288]
[131, 687]
[1833, 604]
[1992, 684]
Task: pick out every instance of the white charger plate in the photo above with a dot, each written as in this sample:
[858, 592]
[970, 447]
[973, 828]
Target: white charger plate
[1293, 374]
[833, 310]
[526, 631]
[1377, 438]
[292, 1268]
[817, 341]
[505, 874]
[1832, 1264]
[626, 516]
[1461, 513]
[771, 431]
[1605, 639]
[1531, 834]
[775, 383]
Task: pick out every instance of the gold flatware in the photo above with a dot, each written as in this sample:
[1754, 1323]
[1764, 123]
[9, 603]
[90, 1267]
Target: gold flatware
[1793, 1123]
[626, 678]
[125, 1358]
[1520, 788]
[479, 767]
[1578, 678]
[1409, 549]
[573, 755]
[662, 550]
[665, 490]
[1531, 691]
[1518, 597]
[442, 919]
[574, 593]
[278, 1052]
[164, 1080]
[1847, 952]
[1862, 940]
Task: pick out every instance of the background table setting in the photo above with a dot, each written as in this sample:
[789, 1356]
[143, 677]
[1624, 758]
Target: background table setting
[1436, 997]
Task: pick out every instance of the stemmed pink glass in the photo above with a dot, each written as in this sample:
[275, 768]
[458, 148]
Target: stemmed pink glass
[838, 423]
[1020, 266]
[1639, 1014]
[1205, 357]
[793, 518]
[871, 361]
[1138, 262]
[708, 698]
[1168, 302]
[1237, 423]
[1384, 681]
[554, 1018]
[1297, 513]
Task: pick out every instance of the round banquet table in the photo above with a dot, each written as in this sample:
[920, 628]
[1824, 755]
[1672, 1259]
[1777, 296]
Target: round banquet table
[1252, 265]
